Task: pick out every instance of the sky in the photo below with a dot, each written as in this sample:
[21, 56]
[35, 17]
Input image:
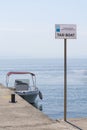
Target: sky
[27, 28]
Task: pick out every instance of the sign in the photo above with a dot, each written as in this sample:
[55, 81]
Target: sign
[65, 31]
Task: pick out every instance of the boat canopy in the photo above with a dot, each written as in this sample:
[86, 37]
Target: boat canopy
[10, 73]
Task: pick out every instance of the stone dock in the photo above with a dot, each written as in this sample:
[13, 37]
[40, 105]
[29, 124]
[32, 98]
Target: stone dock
[23, 116]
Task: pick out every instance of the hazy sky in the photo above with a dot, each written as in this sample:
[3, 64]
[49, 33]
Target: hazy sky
[27, 28]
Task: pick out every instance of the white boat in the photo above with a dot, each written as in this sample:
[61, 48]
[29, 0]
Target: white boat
[26, 88]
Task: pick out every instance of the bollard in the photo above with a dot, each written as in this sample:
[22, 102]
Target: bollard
[12, 98]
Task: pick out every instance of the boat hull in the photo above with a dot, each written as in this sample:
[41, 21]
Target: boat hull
[29, 96]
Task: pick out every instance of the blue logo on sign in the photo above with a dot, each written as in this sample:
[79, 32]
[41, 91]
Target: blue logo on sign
[58, 29]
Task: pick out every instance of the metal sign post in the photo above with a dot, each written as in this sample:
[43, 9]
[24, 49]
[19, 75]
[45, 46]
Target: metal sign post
[65, 79]
[65, 31]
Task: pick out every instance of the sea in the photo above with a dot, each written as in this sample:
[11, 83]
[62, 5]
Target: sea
[50, 81]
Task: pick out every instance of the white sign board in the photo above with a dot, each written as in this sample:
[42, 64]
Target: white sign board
[65, 31]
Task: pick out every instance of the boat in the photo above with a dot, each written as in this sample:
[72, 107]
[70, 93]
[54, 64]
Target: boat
[26, 88]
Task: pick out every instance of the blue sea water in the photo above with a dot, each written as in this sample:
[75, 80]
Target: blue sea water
[50, 80]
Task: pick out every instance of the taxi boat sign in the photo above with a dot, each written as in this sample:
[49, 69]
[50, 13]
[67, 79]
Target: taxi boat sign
[65, 31]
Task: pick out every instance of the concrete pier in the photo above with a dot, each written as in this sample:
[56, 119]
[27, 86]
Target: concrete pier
[23, 116]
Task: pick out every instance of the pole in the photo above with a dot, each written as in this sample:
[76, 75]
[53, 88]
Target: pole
[65, 79]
